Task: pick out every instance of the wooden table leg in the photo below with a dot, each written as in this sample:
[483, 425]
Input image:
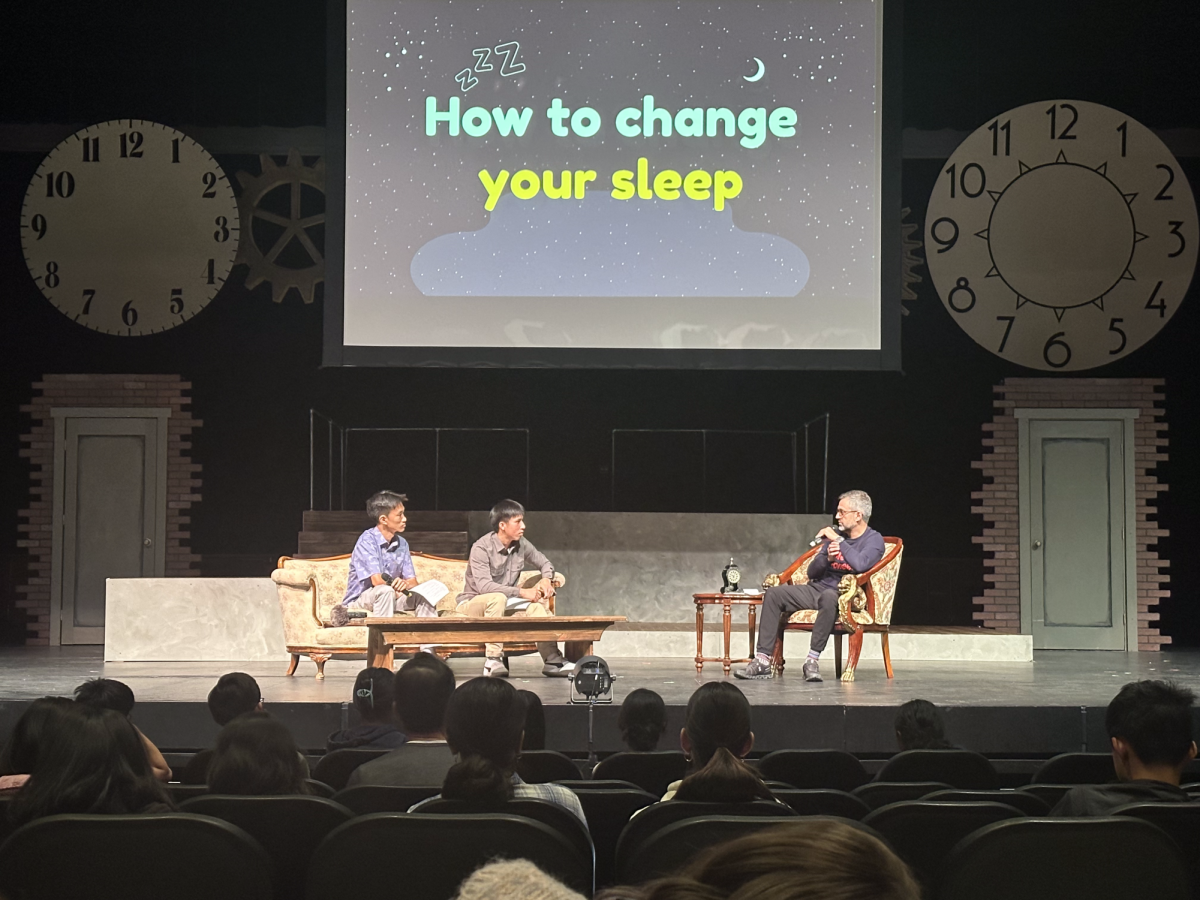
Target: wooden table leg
[699, 638]
[727, 616]
[753, 616]
[379, 651]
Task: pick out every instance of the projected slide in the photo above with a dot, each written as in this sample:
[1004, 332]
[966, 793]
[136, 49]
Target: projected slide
[650, 175]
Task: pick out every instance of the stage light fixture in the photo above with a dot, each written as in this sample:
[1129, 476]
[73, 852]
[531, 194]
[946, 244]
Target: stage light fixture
[592, 681]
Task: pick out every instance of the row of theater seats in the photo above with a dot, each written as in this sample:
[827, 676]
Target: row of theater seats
[292, 846]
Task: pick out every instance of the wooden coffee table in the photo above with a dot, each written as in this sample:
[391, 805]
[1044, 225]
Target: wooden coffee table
[726, 602]
[383, 634]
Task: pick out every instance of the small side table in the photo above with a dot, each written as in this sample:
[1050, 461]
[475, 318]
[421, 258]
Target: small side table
[726, 602]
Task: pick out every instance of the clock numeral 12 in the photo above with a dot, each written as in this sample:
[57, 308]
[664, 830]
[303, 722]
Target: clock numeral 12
[1065, 134]
[131, 145]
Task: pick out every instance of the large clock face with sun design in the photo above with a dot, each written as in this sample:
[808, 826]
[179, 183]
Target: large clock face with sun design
[1061, 235]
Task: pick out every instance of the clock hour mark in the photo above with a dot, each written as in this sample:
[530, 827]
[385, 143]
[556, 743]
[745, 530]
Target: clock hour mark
[1054, 341]
[1065, 134]
[946, 243]
[221, 235]
[174, 150]
[210, 185]
[1175, 226]
[963, 286]
[1161, 305]
[52, 275]
[1163, 195]
[1124, 129]
[1112, 326]
[995, 128]
[129, 314]
[1007, 330]
[91, 149]
[89, 294]
[210, 272]
[131, 145]
[962, 180]
[60, 185]
[177, 300]
[38, 223]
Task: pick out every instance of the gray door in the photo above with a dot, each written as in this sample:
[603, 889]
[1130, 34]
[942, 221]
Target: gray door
[1076, 534]
[110, 515]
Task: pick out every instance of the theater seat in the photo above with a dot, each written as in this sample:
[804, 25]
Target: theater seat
[669, 849]
[1076, 768]
[372, 798]
[427, 855]
[822, 803]
[139, 857]
[1029, 804]
[958, 768]
[834, 769]
[608, 811]
[651, 771]
[881, 793]
[1181, 822]
[540, 766]
[334, 769]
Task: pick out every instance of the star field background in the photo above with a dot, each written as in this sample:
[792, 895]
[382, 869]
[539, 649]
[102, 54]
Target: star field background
[817, 190]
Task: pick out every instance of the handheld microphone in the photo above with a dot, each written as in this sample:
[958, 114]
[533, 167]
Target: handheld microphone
[818, 540]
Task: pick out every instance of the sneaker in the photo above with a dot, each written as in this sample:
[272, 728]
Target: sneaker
[755, 669]
[812, 670]
[495, 668]
[562, 670]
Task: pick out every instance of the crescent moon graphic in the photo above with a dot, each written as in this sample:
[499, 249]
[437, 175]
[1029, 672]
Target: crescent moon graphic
[759, 74]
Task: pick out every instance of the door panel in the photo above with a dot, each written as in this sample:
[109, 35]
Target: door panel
[110, 513]
[1076, 533]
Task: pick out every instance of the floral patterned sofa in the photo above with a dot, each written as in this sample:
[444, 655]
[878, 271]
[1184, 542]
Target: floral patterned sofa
[309, 589]
[871, 609]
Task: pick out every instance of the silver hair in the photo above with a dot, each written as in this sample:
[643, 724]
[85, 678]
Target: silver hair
[383, 503]
[860, 501]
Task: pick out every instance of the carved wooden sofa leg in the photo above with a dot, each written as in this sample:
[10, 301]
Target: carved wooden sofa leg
[320, 659]
[856, 642]
[295, 662]
[887, 654]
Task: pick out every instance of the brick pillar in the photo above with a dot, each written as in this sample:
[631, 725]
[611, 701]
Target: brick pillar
[1000, 605]
[183, 476]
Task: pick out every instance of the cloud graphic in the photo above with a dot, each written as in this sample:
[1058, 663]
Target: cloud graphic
[601, 247]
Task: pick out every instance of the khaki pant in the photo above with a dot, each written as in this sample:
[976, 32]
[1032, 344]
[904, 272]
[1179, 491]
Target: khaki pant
[493, 606]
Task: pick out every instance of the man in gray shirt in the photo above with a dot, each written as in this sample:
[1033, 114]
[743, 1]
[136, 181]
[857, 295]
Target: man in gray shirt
[491, 587]
[422, 689]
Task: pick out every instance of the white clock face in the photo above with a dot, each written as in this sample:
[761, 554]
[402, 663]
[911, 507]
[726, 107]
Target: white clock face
[1061, 235]
[129, 227]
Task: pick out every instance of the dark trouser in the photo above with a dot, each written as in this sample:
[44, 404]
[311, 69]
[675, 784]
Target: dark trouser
[783, 600]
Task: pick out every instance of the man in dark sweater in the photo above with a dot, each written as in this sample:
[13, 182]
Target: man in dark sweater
[854, 548]
[1150, 726]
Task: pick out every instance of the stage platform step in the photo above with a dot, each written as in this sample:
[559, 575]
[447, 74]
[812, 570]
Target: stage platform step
[333, 532]
[356, 520]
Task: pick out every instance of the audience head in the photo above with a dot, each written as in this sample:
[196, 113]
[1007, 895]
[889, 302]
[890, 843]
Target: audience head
[642, 719]
[422, 689]
[107, 694]
[38, 726]
[1150, 725]
[535, 722]
[824, 859]
[234, 694]
[505, 510]
[90, 761]
[513, 878]
[485, 719]
[375, 694]
[381, 504]
[716, 735]
[256, 754]
[919, 726]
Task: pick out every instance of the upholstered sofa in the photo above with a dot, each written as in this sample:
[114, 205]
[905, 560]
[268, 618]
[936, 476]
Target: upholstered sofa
[309, 589]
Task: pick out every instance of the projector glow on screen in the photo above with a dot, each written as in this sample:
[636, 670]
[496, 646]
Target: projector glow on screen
[613, 174]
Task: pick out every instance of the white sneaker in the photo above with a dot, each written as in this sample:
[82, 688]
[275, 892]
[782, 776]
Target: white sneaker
[563, 671]
[495, 668]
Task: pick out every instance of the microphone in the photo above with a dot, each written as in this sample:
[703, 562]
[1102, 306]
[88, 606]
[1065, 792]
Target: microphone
[818, 540]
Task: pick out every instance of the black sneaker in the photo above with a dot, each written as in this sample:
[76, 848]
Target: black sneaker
[756, 670]
[812, 670]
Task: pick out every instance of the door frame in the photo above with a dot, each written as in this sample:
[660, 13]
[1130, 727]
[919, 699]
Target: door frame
[60, 416]
[1125, 417]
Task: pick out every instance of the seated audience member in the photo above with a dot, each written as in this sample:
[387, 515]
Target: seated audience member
[513, 878]
[92, 760]
[1150, 726]
[642, 720]
[234, 694]
[919, 726]
[535, 721]
[256, 754]
[716, 738]
[29, 738]
[822, 859]
[374, 695]
[117, 696]
[485, 722]
[423, 687]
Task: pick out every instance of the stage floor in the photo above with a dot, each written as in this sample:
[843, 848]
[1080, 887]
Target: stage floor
[1050, 705]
